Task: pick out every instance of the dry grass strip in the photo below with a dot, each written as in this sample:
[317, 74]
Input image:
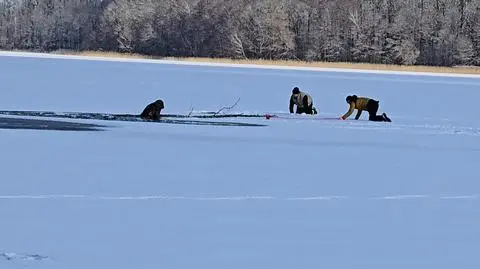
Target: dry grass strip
[343, 65]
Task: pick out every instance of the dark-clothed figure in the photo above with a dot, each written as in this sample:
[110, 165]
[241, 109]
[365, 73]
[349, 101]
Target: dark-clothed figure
[152, 111]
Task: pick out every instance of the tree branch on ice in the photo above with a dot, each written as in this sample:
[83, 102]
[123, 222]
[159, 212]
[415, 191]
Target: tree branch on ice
[227, 107]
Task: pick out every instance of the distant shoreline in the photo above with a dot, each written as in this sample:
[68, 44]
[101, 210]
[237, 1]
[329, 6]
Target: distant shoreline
[334, 66]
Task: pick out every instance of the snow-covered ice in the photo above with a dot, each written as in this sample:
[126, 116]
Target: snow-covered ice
[294, 194]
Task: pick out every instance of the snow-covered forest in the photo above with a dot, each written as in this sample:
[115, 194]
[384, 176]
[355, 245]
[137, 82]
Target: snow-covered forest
[422, 32]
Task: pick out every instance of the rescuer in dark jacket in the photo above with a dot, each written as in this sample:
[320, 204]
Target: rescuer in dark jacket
[303, 101]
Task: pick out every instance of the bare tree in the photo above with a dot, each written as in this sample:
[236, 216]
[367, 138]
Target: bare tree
[264, 30]
[425, 32]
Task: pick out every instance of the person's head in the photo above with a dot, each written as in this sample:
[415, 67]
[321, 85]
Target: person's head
[159, 103]
[295, 91]
[351, 98]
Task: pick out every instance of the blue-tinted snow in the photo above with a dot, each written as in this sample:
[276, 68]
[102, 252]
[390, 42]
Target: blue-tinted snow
[295, 194]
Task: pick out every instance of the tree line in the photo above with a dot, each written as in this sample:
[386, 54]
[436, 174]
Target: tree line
[411, 32]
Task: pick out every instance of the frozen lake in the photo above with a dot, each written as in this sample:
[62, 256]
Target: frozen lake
[294, 194]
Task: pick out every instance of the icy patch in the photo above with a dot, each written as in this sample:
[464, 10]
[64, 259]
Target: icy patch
[318, 198]
[461, 197]
[402, 197]
[425, 129]
[10, 256]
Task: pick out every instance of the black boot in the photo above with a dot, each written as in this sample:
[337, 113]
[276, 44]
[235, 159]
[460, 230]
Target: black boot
[386, 118]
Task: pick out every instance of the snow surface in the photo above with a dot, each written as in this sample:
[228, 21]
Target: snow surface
[295, 194]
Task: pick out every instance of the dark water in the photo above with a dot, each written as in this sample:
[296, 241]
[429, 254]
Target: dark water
[37, 124]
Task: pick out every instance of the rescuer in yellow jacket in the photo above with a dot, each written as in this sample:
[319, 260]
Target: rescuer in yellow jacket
[364, 104]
